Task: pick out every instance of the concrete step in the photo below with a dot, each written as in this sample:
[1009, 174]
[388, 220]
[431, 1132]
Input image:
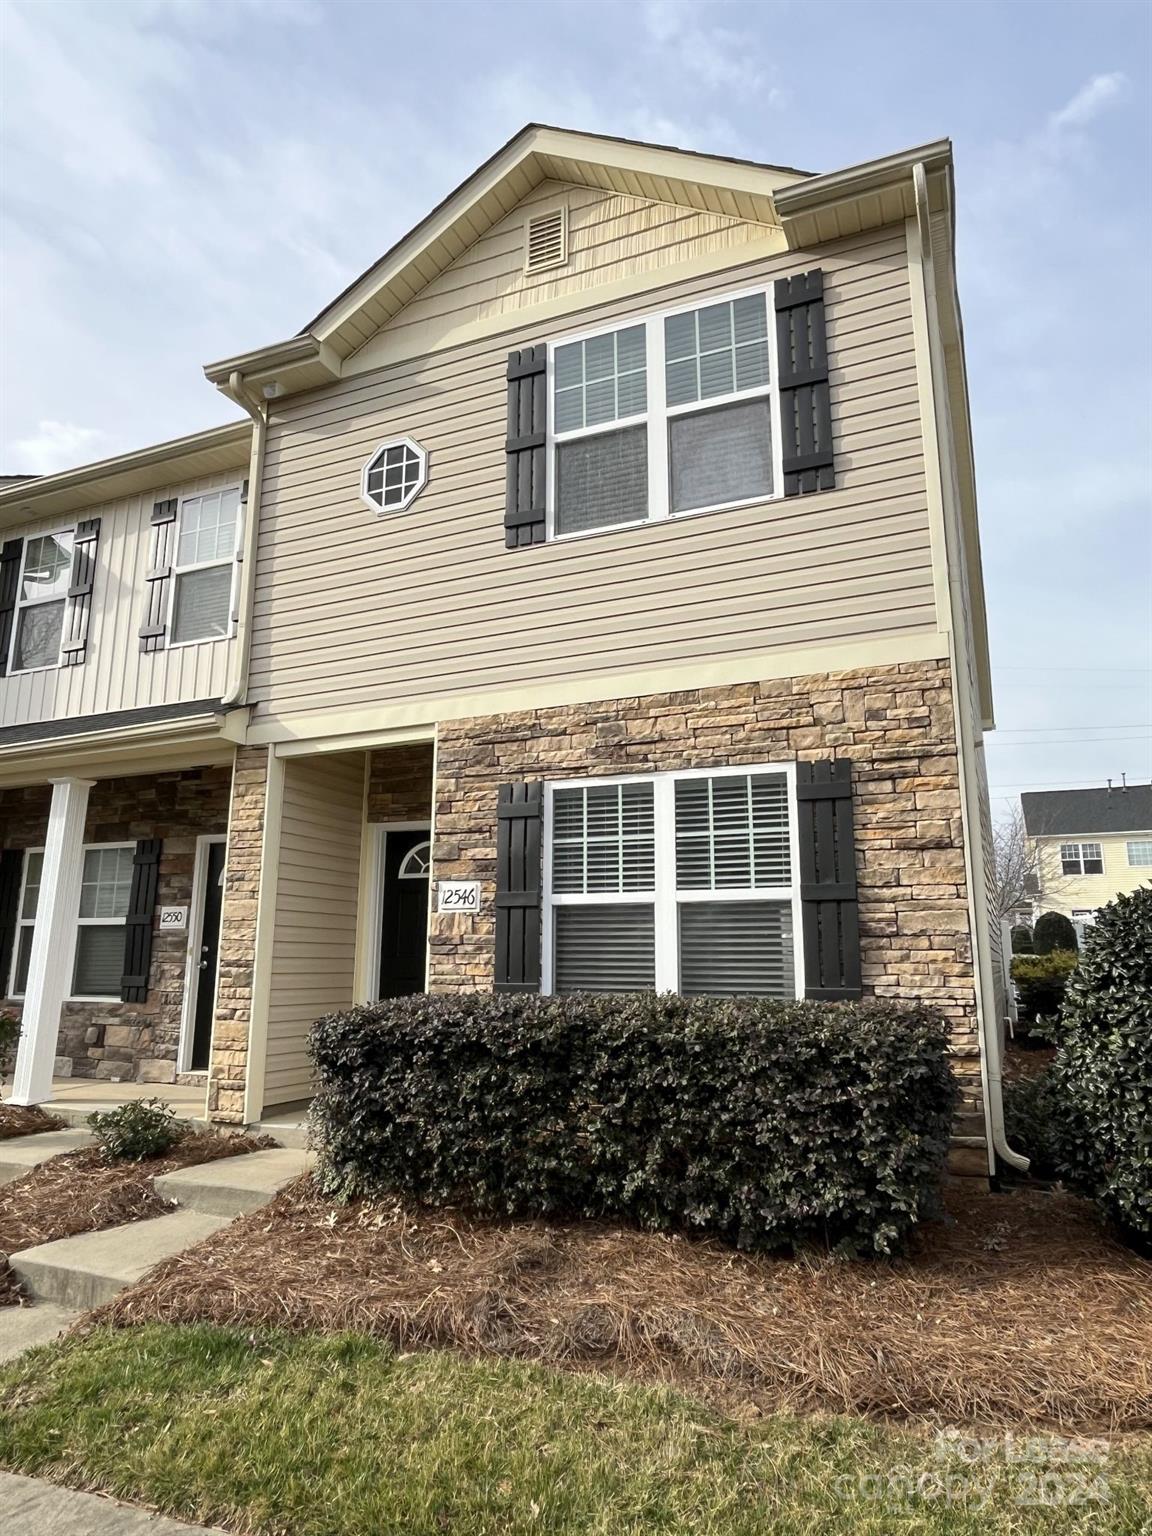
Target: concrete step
[30, 1507]
[24, 1328]
[20, 1154]
[88, 1270]
[289, 1132]
[233, 1185]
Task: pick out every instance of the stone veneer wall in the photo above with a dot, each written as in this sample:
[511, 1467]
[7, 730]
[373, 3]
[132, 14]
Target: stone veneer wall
[400, 783]
[897, 725]
[132, 1041]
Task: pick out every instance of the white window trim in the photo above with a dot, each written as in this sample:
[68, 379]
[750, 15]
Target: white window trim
[658, 415]
[421, 481]
[192, 956]
[1137, 842]
[21, 923]
[1070, 874]
[79, 922]
[665, 898]
[36, 602]
[179, 570]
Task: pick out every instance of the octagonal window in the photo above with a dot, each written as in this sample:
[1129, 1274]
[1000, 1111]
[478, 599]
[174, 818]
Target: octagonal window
[395, 475]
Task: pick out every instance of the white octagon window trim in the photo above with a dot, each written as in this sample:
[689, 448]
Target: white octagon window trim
[394, 475]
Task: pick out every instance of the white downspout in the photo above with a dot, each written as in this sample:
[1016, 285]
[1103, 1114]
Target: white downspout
[988, 1029]
[258, 410]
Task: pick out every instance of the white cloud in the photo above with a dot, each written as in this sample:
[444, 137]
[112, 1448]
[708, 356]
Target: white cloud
[716, 57]
[55, 445]
[1090, 100]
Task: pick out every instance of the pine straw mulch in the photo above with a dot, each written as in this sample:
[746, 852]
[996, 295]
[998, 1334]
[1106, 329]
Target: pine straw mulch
[1019, 1310]
[85, 1192]
[21, 1120]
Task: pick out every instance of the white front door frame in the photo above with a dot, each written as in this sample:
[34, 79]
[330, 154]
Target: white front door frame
[192, 954]
[372, 916]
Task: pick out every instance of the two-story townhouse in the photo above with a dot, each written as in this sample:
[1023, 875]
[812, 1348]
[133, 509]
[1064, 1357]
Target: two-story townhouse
[1090, 845]
[118, 583]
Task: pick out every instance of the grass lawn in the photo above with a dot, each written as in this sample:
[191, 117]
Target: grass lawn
[302, 1435]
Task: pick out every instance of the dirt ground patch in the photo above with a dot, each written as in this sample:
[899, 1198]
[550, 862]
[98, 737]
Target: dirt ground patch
[1023, 1061]
[84, 1192]
[30, 1120]
[1016, 1310]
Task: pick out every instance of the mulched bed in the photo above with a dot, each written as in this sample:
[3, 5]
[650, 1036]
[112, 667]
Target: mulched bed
[18, 1120]
[85, 1192]
[1023, 1061]
[1017, 1310]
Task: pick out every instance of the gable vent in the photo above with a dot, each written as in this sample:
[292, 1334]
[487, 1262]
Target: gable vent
[547, 240]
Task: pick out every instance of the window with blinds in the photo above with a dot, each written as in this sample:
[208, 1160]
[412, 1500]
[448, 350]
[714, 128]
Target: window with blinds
[674, 882]
[208, 529]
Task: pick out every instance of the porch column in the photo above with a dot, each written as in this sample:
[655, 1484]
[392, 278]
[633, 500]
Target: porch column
[48, 980]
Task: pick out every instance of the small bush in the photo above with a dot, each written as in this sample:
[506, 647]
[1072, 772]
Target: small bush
[766, 1123]
[1032, 1121]
[1054, 931]
[9, 1038]
[1022, 941]
[1103, 1070]
[1040, 983]
[138, 1130]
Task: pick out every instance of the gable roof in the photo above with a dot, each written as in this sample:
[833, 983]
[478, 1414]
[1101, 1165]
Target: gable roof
[1074, 812]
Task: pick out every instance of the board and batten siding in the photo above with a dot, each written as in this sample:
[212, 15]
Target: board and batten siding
[354, 609]
[314, 933]
[116, 673]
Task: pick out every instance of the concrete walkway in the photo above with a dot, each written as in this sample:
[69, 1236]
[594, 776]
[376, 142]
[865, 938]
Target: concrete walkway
[20, 1154]
[30, 1507]
[24, 1328]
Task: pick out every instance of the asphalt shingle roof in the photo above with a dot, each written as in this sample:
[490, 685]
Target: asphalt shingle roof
[1065, 812]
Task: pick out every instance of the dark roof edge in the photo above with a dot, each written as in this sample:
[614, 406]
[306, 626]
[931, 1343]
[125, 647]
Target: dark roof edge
[115, 720]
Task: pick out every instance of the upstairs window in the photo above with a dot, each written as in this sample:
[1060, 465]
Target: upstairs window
[674, 414]
[204, 566]
[1140, 853]
[395, 475]
[1081, 859]
[45, 576]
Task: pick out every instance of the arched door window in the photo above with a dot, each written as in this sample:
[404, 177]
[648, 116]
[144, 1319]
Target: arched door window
[417, 863]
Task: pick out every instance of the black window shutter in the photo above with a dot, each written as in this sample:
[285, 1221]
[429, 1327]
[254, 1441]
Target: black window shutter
[138, 923]
[526, 454]
[828, 900]
[805, 410]
[11, 867]
[10, 554]
[519, 825]
[78, 614]
[159, 575]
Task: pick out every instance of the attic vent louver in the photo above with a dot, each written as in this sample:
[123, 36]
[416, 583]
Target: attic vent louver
[547, 244]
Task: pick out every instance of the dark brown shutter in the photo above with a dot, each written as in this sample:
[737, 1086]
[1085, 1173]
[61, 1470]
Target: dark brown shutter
[10, 555]
[77, 615]
[520, 819]
[11, 867]
[138, 923]
[159, 575]
[805, 411]
[831, 914]
[526, 454]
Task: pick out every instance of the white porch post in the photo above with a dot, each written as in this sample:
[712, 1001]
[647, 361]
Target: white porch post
[48, 979]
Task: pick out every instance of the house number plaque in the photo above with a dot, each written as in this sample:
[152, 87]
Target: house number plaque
[458, 896]
[173, 919]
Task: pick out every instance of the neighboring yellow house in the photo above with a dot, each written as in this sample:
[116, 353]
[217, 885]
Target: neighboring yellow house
[1091, 845]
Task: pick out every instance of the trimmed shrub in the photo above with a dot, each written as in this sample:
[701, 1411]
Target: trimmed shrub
[9, 1038]
[1041, 981]
[138, 1130]
[1103, 1069]
[1032, 1120]
[766, 1123]
[1022, 941]
[1054, 931]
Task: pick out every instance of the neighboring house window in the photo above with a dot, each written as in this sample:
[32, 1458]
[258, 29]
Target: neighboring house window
[205, 561]
[1081, 859]
[106, 884]
[1140, 853]
[45, 576]
[684, 882]
[395, 475]
[26, 920]
[670, 415]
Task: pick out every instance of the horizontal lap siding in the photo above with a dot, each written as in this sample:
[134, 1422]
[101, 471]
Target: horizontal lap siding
[317, 886]
[353, 609]
[116, 674]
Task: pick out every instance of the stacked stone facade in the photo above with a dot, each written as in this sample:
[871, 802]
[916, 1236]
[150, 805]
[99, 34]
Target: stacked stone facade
[115, 1041]
[400, 783]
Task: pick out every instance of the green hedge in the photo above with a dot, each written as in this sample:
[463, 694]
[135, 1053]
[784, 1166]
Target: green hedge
[766, 1123]
[1040, 983]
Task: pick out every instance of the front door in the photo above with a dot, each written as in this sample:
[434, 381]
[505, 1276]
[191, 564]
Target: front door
[207, 961]
[404, 913]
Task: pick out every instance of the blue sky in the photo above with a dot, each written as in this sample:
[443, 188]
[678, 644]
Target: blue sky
[182, 179]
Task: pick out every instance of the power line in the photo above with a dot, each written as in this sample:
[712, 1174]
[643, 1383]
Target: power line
[1120, 725]
[1072, 669]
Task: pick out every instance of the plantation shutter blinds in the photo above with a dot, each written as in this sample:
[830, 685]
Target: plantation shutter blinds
[10, 556]
[152, 631]
[525, 450]
[77, 616]
[736, 948]
[828, 891]
[11, 867]
[139, 919]
[805, 409]
[519, 825]
[609, 948]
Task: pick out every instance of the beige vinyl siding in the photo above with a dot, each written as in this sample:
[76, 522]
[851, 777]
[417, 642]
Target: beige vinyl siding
[117, 674]
[314, 936]
[1085, 893]
[353, 609]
